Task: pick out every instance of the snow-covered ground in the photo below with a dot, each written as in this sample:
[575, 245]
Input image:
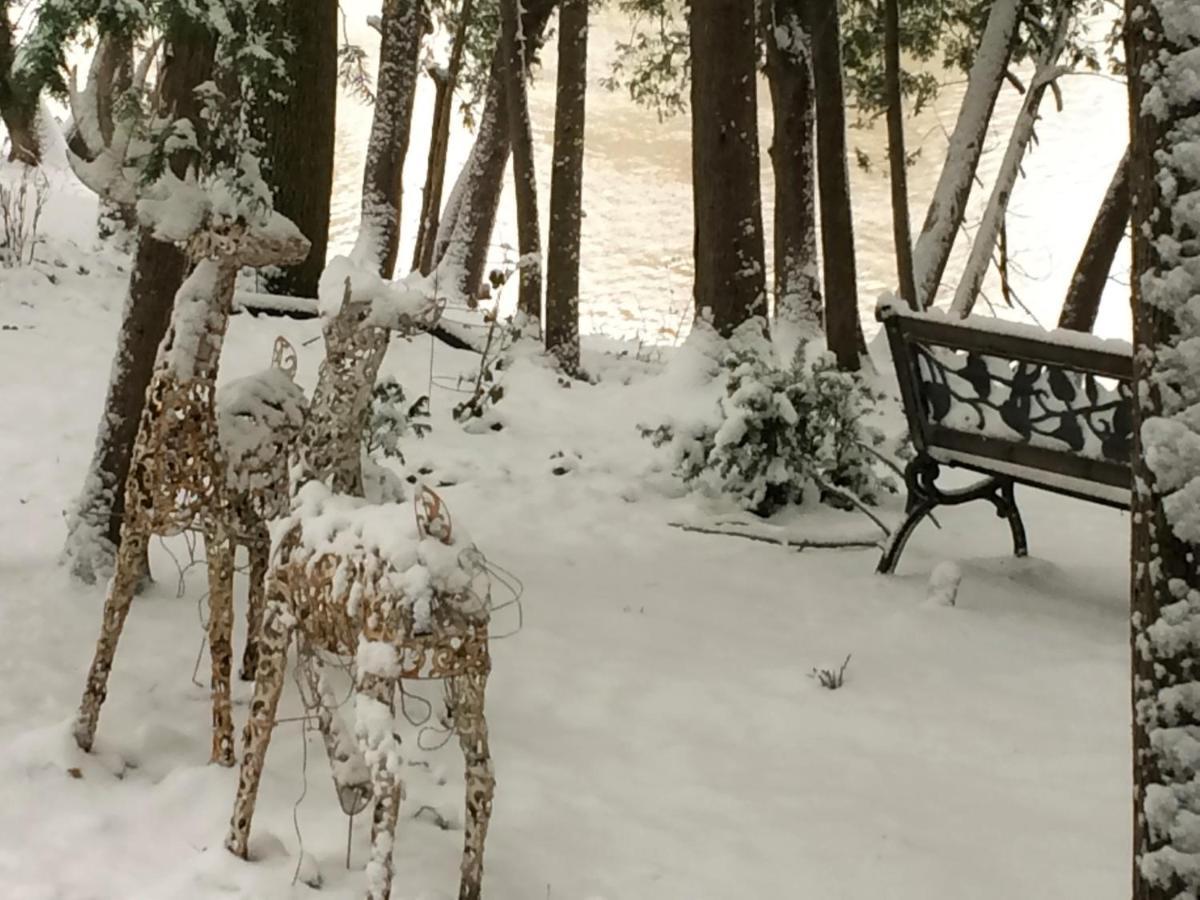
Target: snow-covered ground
[655, 729]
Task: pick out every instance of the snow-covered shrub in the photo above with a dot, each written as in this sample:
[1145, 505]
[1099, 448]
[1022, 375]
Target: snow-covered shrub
[782, 433]
[21, 205]
[393, 417]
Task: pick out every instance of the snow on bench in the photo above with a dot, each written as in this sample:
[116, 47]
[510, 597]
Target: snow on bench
[1049, 409]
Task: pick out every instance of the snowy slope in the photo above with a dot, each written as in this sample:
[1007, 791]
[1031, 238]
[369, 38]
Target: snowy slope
[655, 732]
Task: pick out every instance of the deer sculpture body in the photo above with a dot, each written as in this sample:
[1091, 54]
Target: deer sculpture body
[392, 586]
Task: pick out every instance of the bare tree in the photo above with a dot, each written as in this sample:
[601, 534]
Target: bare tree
[949, 202]
[445, 81]
[1082, 303]
[793, 157]
[566, 187]
[730, 278]
[465, 232]
[897, 160]
[843, 329]
[402, 26]
[988, 233]
[520, 132]
[1162, 54]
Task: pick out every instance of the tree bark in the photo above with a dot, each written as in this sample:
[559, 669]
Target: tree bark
[897, 160]
[1010, 167]
[843, 329]
[465, 233]
[94, 526]
[727, 204]
[793, 158]
[566, 187]
[18, 107]
[435, 174]
[1091, 274]
[949, 203]
[402, 25]
[1162, 60]
[520, 131]
[300, 139]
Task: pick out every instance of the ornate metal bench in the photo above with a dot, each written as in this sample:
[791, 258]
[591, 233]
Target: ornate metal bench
[1051, 410]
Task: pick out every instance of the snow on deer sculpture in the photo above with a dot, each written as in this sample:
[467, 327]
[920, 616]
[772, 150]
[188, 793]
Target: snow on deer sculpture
[177, 477]
[407, 597]
[259, 418]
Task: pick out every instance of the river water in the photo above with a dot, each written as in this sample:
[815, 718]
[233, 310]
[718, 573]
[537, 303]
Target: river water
[636, 266]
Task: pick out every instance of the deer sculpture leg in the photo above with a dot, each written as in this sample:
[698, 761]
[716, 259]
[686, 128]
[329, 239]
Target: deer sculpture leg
[465, 697]
[259, 551]
[220, 642]
[116, 607]
[351, 777]
[274, 636]
[374, 693]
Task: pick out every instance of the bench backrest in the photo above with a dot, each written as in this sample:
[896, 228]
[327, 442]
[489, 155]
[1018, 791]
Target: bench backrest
[1052, 409]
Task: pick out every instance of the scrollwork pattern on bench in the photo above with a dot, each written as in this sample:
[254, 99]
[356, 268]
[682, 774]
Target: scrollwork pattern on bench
[1030, 402]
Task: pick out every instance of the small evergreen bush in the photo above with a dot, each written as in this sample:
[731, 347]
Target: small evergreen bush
[781, 432]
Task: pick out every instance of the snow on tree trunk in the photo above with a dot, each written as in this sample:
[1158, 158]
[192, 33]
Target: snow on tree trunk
[18, 109]
[471, 211]
[299, 134]
[1091, 274]
[843, 328]
[402, 26]
[1010, 167]
[435, 175]
[949, 203]
[566, 187]
[520, 131]
[793, 157]
[897, 161]
[94, 523]
[730, 279]
[465, 235]
[1163, 52]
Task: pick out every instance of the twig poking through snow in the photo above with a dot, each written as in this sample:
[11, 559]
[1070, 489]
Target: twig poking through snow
[829, 678]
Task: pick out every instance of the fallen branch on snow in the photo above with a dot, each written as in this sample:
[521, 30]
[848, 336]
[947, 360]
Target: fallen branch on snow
[734, 529]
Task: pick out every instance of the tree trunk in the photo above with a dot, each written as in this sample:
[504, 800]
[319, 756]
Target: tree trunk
[1163, 67]
[789, 76]
[18, 107]
[402, 25]
[435, 173]
[897, 160]
[520, 132]
[843, 328]
[466, 230]
[300, 139]
[94, 526]
[1091, 275]
[730, 282]
[1010, 167]
[566, 187]
[949, 202]
[471, 212]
